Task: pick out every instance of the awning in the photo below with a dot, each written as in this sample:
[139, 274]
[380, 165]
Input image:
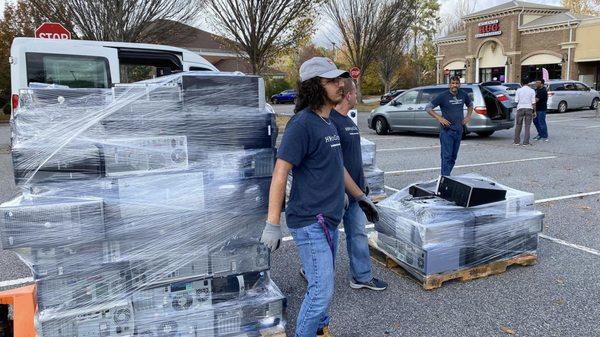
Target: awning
[541, 59]
[456, 65]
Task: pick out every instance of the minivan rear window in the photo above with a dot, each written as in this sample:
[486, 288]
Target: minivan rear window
[74, 71]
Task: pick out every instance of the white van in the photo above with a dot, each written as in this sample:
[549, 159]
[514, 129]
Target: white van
[94, 64]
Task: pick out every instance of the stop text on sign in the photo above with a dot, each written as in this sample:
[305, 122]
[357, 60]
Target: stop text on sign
[54, 36]
[488, 28]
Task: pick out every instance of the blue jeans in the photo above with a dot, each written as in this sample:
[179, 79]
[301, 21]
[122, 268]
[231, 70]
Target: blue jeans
[318, 263]
[540, 124]
[357, 243]
[450, 142]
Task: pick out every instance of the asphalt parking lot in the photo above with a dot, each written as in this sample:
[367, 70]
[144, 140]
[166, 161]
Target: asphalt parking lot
[560, 296]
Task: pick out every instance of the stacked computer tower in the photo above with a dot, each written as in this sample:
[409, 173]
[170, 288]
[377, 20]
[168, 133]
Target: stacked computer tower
[374, 177]
[430, 230]
[142, 207]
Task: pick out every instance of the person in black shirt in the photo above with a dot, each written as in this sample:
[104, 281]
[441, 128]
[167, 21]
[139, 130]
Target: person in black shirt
[541, 106]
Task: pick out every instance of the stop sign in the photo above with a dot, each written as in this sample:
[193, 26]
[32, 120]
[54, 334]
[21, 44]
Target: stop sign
[355, 72]
[50, 30]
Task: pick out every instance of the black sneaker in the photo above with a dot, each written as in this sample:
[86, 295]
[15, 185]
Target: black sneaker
[374, 284]
[303, 274]
[324, 332]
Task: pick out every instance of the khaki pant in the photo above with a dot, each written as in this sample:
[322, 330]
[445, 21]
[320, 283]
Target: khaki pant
[527, 115]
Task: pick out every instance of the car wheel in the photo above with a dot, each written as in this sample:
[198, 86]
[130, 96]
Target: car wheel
[562, 107]
[485, 134]
[381, 126]
[594, 105]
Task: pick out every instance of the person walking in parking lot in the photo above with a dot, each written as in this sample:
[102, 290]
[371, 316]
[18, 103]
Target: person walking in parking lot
[541, 106]
[311, 149]
[354, 218]
[452, 121]
[525, 98]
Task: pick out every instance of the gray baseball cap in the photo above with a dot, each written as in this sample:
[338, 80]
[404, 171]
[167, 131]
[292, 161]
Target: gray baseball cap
[320, 67]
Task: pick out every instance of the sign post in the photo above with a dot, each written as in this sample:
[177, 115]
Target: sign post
[355, 72]
[51, 30]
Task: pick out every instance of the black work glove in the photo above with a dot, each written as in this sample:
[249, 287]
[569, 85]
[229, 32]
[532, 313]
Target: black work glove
[369, 208]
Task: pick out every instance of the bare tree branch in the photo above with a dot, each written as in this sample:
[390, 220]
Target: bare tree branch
[368, 27]
[119, 20]
[263, 29]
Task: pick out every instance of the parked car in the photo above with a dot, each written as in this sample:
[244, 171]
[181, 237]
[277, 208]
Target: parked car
[286, 96]
[503, 95]
[407, 112]
[388, 96]
[566, 95]
[511, 88]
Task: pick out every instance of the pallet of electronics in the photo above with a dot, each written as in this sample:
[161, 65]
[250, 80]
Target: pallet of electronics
[374, 177]
[141, 207]
[425, 229]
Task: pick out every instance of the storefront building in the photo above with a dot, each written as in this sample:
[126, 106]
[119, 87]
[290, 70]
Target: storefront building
[521, 39]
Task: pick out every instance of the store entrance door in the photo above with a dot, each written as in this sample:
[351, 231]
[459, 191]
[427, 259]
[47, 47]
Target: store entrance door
[492, 74]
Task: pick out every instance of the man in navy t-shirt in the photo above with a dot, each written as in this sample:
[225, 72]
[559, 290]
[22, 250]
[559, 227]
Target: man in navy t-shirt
[451, 121]
[354, 217]
[311, 149]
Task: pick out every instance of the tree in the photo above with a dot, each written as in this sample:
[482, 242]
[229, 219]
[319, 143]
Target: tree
[426, 22]
[367, 27]
[390, 62]
[452, 22]
[262, 30]
[17, 21]
[118, 20]
[586, 7]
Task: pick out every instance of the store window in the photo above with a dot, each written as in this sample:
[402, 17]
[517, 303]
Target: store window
[457, 72]
[533, 73]
[492, 74]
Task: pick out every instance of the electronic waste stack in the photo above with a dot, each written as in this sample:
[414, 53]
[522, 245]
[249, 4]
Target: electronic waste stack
[431, 235]
[374, 177]
[142, 207]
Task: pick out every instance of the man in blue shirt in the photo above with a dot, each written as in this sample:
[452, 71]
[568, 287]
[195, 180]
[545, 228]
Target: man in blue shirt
[354, 218]
[451, 121]
[311, 149]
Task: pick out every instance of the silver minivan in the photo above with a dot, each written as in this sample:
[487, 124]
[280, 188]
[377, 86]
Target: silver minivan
[566, 95]
[407, 112]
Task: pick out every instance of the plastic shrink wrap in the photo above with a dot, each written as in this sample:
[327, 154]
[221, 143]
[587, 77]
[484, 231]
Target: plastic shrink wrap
[141, 207]
[374, 177]
[431, 235]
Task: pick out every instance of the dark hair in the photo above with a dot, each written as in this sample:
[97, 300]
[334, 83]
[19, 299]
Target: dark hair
[542, 81]
[525, 81]
[310, 94]
[455, 79]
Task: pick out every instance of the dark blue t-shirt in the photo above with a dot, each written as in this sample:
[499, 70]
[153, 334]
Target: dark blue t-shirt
[452, 107]
[350, 140]
[312, 145]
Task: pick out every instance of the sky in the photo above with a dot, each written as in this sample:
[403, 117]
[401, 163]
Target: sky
[326, 33]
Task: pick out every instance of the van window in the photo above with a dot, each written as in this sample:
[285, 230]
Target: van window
[409, 97]
[581, 87]
[143, 64]
[427, 95]
[74, 71]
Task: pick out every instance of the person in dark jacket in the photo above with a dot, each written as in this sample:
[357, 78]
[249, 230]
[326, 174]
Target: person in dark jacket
[541, 106]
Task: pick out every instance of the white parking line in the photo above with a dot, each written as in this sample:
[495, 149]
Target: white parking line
[473, 165]
[391, 188]
[592, 127]
[578, 195]
[15, 282]
[563, 120]
[572, 245]
[410, 148]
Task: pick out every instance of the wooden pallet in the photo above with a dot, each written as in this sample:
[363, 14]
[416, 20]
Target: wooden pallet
[378, 198]
[434, 281]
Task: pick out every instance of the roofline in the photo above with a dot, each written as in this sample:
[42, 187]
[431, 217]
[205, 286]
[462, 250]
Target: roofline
[574, 22]
[515, 8]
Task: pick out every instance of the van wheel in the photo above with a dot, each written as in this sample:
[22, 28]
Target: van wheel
[562, 107]
[485, 134]
[381, 126]
[594, 105]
